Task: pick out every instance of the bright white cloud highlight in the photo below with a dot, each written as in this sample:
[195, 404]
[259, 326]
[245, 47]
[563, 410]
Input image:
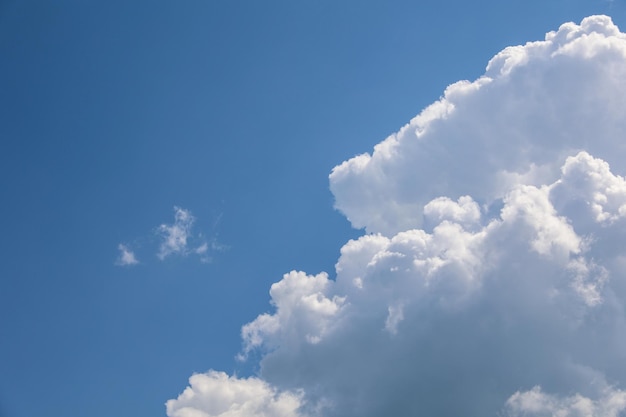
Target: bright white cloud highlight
[215, 394]
[494, 261]
[535, 105]
[126, 256]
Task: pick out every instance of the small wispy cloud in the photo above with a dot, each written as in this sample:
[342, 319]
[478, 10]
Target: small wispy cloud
[126, 257]
[178, 239]
[206, 249]
[202, 249]
[176, 236]
[203, 252]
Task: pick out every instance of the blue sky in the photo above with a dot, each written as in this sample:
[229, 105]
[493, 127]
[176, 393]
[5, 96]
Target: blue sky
[114, 113]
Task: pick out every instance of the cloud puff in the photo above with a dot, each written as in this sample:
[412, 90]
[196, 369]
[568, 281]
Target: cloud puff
[126, 256]
[215, 394]
[175, 236]
[493, 261]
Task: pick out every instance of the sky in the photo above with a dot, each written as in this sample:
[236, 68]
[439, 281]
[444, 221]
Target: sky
[312, 208]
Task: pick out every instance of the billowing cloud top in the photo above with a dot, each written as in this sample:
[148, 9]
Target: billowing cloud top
[492, 279]
[535, 105]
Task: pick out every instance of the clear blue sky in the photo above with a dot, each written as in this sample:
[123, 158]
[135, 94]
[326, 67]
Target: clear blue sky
[113, 113]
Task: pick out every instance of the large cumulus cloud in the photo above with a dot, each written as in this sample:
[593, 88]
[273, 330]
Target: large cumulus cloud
[492, 277]
[535, 105]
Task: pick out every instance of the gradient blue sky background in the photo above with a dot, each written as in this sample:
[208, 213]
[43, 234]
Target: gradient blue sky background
[112, 113]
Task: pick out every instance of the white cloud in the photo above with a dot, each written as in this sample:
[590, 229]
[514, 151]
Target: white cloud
[535, 105]
[202, 249]
[612, 403]
[179, 239]
[206, 249]
[494, 262]
[215, 394]
[175, 236]
[126, 257]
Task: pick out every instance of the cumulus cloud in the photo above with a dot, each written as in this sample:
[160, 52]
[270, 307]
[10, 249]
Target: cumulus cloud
[215, 394]
[535, 105]
[126, 256]
[492, 263]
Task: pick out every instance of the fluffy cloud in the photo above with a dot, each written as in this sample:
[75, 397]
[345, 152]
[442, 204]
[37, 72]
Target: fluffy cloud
[535, 105]
[493, 261]
[126, 256]
[215, 394]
